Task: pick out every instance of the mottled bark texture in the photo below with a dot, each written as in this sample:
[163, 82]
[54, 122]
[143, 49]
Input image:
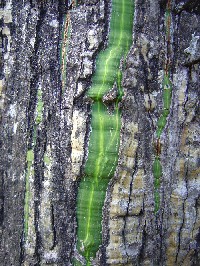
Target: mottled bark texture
[45, 129]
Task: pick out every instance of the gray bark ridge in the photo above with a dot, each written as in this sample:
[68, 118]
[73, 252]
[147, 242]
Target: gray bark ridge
[45, 130]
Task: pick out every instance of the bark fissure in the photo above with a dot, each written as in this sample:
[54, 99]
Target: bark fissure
[47, 110]
[128, 203]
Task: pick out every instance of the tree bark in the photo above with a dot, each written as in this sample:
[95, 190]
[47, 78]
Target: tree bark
[151, 211]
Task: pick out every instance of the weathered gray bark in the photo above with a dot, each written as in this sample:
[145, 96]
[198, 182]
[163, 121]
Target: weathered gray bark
[132, 233]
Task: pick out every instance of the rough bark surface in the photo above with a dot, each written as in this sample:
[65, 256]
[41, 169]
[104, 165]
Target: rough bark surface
[45, 130]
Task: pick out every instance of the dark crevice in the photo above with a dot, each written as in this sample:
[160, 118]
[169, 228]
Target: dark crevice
[179, 233]
[196, 257]
[192, 6]
[131, 184]
[124, 238]
[2, 3]
[107, 12]
[103, 256]
[2, 192]
[31, 4]
[129, 200]
[143, 73]
[38, 179]
[144, 238]
[186, 100]
[34, 80]
[191, 63]
[3, 40]
[67, 225]
[62, 7]
[21, 257]
[196, 216]
[62, 12]
[197, 250]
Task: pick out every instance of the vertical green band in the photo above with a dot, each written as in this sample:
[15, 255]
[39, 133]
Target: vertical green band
[105, 131]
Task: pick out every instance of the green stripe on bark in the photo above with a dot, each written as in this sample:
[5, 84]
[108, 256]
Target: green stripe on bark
[162, 121]
[105, 134]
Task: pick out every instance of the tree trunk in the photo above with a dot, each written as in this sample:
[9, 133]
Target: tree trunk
[100, 132]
